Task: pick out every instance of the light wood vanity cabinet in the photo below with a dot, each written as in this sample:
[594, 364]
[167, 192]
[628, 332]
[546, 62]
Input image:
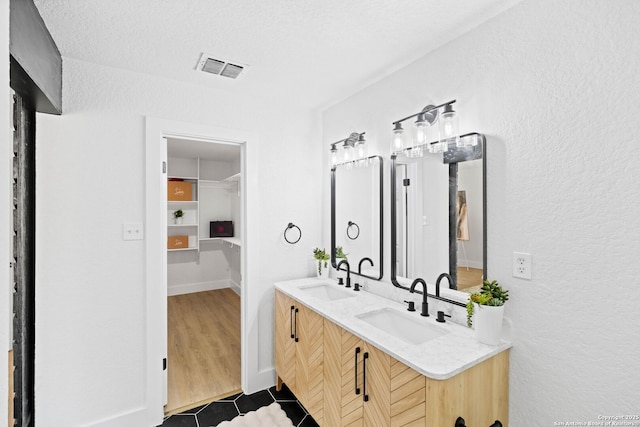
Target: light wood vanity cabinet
[366, 387]
[299, 358]
[331, 371]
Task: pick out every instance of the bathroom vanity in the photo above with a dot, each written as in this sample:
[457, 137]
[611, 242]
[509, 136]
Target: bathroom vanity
[357, 359]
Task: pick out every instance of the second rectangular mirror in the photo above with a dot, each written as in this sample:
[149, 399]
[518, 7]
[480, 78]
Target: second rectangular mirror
[356, 216]
[438, 216]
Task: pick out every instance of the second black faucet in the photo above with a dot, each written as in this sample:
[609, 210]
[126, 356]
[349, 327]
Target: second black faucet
[425, 304]
[344, 261]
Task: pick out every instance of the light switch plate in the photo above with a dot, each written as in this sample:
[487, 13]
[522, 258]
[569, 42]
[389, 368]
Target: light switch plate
[132, 231]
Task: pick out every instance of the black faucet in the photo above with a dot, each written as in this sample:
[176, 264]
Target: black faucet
[440, 277]
[425, 304]
[344, 261]
[363, 260]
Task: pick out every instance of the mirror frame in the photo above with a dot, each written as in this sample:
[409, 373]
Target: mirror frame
[380, 161]
[453, 170]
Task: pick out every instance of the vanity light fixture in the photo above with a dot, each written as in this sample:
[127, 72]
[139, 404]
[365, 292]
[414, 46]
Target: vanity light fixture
[348, 151]
[448, 131]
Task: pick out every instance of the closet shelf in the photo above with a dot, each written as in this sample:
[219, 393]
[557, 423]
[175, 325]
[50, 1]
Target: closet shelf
[233, 178]
[182, 202]
[233, 240]
[181, 225]
[184, 178]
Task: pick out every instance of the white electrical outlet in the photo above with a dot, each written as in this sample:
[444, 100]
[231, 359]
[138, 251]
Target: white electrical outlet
[522, 265]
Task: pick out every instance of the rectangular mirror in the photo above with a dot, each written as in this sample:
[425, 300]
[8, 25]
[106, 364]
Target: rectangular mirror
[438, 215]
[356, 215]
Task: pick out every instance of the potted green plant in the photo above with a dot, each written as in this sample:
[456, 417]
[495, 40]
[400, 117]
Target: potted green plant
[485, 311]
[322, 262]
[177, 216]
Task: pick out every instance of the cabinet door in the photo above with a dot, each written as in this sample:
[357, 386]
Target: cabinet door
[479, 394]
[394, 393]
[285, 351]
[309, 361]
[343, 398]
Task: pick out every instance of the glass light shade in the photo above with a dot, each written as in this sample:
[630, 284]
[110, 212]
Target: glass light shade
[448, 126]
[421, 132]
[361, 150]
[438, 147]
[398, 138]
[415, 151]
[469, 141]
[347, 153]
[334, 156]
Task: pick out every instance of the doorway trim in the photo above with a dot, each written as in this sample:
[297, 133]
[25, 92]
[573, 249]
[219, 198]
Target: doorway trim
[156, 255]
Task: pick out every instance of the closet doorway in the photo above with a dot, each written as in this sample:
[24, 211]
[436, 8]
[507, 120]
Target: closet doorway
[203, 272]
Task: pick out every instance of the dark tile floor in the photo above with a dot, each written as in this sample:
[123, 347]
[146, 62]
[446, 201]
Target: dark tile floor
[228, 408]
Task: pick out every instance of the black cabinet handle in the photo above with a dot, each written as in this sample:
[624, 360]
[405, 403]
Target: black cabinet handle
[291, 321]
[357, 353]
[461, 423]
[365, 396]
[295, 325]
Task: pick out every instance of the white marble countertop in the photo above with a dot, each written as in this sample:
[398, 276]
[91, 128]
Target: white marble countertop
[440, 358]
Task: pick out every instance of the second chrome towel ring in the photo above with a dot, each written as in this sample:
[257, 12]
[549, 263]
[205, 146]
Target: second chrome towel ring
[286, 230]
[353, 230]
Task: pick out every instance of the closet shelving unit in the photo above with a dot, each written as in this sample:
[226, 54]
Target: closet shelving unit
[198, 212]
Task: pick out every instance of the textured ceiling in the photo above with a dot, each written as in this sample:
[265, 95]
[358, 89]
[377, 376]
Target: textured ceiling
[308, 52]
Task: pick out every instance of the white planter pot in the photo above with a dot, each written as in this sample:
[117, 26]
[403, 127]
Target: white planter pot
[177, 221]
[322, 272]
[487, 322]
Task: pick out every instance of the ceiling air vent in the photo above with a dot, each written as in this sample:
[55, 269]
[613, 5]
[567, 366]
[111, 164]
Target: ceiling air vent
[219, 67]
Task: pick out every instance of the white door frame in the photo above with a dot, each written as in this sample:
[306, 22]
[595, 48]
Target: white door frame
[156, 255]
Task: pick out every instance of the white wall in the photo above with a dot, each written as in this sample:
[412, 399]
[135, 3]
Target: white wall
[554, 86]
[6, 153]
[90, 178]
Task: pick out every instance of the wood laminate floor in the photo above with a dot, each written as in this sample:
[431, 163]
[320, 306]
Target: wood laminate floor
[469, 280]
[203, 347]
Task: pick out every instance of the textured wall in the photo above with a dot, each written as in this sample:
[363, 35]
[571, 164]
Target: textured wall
[554, 86]
[90, 358]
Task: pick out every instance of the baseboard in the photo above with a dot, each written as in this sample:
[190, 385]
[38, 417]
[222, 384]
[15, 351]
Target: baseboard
[235, 287]
[134, 418]
[266, 378]
[188, 288]
[470, 264]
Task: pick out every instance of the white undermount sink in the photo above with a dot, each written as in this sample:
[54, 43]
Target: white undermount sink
[411, 329]
[327, 292]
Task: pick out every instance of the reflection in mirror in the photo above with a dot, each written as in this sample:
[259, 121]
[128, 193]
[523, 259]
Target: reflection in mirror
[438, 216]
[356, 215]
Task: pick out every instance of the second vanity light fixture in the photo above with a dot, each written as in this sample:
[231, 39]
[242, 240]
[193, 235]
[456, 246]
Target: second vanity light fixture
[349, 150]
[424, 136]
